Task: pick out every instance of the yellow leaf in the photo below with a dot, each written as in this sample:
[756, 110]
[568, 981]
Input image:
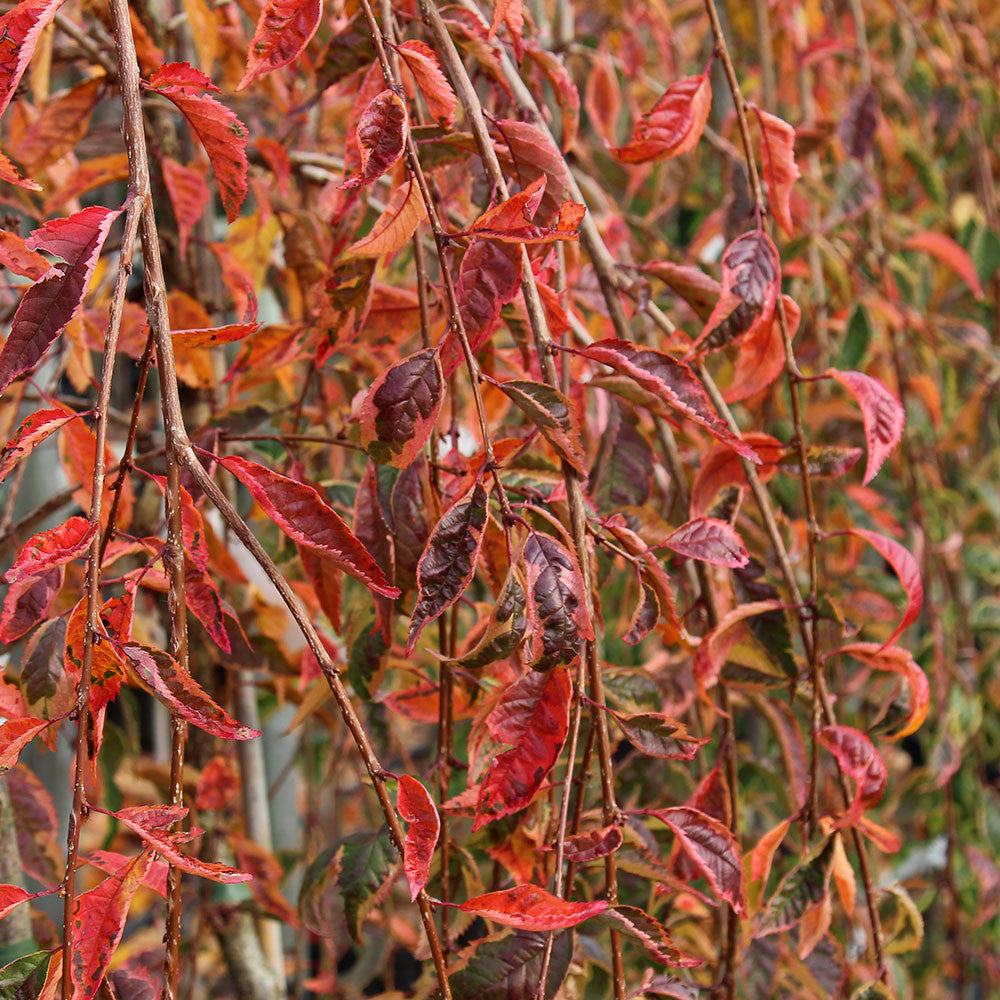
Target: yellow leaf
[394, 227]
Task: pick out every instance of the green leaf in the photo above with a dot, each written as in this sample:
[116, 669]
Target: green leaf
[507, 966]
[366, 861]
[859, 335]
[23, 978]
[366, 660]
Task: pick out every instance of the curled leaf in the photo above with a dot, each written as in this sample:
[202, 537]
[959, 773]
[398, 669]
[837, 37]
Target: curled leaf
[51, 548]
[751, 282]
[674, 124]
[449, 560]
[551, 412]
[557, 609]
[417, 808]
[670, 382]
[382, 131]
[659, 735]
[897, 660]
[883, 416]
[713, 849]
[859, 760]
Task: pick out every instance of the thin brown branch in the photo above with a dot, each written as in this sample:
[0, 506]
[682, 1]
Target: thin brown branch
[93, 584]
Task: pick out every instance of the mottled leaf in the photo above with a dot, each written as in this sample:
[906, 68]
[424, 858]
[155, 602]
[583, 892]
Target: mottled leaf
[671, 382]
[552, 413]
[592, 844]
[284, 29]
[859, 760]
[751, 282]
[712, 847]
[381, 134]
[651, 935]
[97, 925]
[558, 619]
[51, 548]
[508, 966]
[366, 861]
[401, 408]
[15, 735]
[709, 540]
[659, 735]
[449, 561]
[180, 692]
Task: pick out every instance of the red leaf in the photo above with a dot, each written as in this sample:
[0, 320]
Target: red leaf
[52, 301]
[488, 278]
[672, 383]
[417, 808]
[712, 847]
[189, 196]
[859, 760]
[401, 408]
[28, 602]
[557, 609]
[20, 28]
[761, 356]
[192, 525]
[64, 121]
[284, 29]
[112, 862]
[510, 13]
[308, 519]
[906, 569]
[382, 131]
[779, 166]
[532, 715]
[10, 173]
[52, 548]
[214, 336]
[720, 468]
[98, 922]
[421, 61]
[12, 896]
[32, 431]
[449, 560]
[883, 415]
[592, 844]
[751, 281]
[949, 253]
[511, 220]
[15, 735]
[222, 134]
[394, 227]
[179, 691]
[164, 844]
[709, 540]
[898, 661]
[16, 257]
[673, 126]
[531, 908]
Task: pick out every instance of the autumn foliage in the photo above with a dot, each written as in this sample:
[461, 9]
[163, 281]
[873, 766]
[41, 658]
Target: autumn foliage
[541, 455]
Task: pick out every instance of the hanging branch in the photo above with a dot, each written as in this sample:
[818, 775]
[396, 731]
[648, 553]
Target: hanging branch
[81, 710]
[185, 456]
